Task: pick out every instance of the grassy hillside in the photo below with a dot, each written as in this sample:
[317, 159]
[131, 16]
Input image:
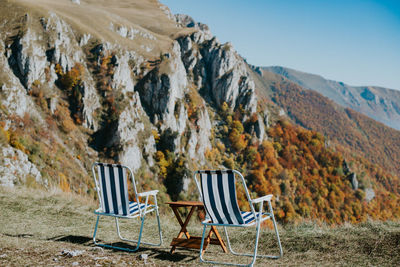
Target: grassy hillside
[96, 18]
[37, 226]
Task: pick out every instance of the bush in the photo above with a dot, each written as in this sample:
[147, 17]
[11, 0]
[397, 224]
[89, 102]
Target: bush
[67, 125]
[15, 141]
[4, 136]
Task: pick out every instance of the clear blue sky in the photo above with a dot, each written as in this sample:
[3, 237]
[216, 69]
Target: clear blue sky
[354, 41]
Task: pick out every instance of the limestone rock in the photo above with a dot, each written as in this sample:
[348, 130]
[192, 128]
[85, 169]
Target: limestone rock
[128, 136]
[352, 177]
[225, 71]
[199, 141]
[369, 194]
[30, 58]
[66, 51]
[166, 11]
[15, 167]
[162, 91]
[13, 95]
[260, 128]
[183, 20]
[122, 78]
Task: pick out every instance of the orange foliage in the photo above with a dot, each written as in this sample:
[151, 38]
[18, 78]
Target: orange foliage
[378, 143]
[307, 178]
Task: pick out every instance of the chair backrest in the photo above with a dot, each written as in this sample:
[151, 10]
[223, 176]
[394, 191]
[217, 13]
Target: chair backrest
[218, 193]
[112, 187]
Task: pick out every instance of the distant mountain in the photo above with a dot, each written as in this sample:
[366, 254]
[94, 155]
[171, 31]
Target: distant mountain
[379, 103]
[362, 135]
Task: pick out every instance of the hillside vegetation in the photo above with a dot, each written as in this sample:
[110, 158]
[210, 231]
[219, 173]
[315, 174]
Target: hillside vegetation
[307, 176]
[380, 104]
[370, 139]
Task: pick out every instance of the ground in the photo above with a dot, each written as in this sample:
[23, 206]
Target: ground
[41, 228]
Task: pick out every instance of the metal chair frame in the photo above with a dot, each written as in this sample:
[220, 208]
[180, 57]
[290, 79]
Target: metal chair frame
[257, 222]
[141, 214]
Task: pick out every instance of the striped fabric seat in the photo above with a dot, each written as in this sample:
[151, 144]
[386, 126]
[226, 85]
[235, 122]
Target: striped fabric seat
[133, 207]
[219, 198]
[113, 189]
[249, 218]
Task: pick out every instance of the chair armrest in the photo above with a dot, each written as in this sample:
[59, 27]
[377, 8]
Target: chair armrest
[148, 193]
[261, 199]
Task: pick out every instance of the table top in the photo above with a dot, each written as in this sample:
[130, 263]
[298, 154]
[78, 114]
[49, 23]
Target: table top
[186, 204]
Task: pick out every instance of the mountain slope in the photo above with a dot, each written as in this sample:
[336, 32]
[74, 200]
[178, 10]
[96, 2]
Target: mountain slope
[379, 103]
[126, 81]
[373, 140]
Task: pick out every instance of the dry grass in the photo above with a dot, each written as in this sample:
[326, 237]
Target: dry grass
[95, 17]
[36, 226]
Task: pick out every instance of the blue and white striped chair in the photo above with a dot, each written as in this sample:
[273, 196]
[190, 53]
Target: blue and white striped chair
[111, 184]
[218, 193]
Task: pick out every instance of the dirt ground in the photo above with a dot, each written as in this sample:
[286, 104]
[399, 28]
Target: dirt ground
[40, 228]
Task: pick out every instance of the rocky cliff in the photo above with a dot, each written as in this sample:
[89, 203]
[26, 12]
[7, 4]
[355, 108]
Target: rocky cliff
[118, 95]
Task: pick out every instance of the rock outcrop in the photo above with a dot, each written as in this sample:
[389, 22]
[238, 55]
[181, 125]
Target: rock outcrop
[219, 71]
[15, 168]
[132, 138]
[162, 91]
[126, 97]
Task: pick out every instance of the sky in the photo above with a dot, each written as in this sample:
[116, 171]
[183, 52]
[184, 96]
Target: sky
[353, 41]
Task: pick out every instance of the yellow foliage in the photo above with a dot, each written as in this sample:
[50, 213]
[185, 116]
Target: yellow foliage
[15, 142]
[229, 162]
[71, 78]
[224, 107]
[237, 125]
[162, 163]
[4, 136]
[221, 147]
[238, 140]
[156, 135]
[64, 185]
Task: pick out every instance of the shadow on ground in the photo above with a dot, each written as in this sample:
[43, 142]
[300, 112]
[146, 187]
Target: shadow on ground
[158, 253]
[20, 235]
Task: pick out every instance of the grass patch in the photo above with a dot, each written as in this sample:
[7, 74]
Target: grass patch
[36, 226]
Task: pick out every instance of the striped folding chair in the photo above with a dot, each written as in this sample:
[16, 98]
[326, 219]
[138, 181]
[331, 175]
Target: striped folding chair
[111, 184]
[218, 193]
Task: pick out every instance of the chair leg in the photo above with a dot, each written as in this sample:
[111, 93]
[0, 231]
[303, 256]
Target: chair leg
[202, 244]
[159, 227]
[141, 231]
[258, 256]
[109, 246]
[276, 231]
[95, 230]
[217, 262]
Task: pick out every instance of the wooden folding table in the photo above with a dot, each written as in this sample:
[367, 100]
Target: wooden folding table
[192, 241]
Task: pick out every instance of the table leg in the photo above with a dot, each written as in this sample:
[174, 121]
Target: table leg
[183, 224]
[221, 242]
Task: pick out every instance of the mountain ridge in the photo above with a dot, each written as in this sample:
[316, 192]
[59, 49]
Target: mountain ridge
[379, 103]
[314, 111]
